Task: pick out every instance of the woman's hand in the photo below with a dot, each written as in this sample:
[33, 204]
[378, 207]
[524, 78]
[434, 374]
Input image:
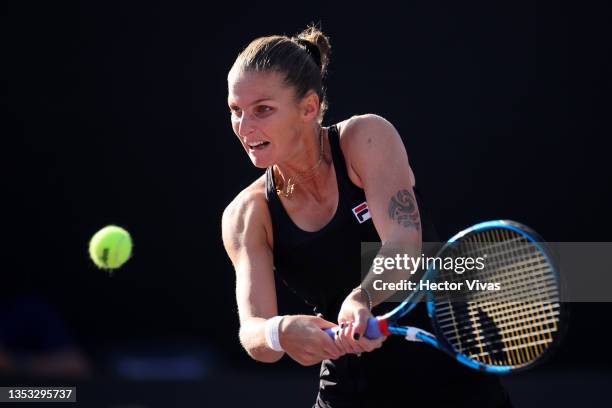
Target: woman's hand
[303, 338]
[353, 321]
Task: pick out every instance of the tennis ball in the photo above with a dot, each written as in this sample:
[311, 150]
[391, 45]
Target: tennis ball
[110, 247]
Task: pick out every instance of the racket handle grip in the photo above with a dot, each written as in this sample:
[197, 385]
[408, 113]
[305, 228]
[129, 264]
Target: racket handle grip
[372, 331]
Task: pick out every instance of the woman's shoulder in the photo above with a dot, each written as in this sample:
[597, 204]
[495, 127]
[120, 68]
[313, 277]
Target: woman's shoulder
[361, 128]
[369, 141]
[247, 218]
[252, 197]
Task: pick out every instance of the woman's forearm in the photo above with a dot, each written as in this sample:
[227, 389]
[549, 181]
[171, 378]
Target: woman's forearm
[410, 246]
[253, 339]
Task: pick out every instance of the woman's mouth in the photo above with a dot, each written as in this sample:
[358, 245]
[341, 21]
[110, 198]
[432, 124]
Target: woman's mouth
[258, 145]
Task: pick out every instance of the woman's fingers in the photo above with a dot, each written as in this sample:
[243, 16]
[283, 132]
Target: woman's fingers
[361, 324]
[340, 338]
[345, 340]
[358, 329]
[348, 338]
[371, 344]
[331, 349]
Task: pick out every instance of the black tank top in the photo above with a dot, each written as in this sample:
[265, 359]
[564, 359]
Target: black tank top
[322, 268]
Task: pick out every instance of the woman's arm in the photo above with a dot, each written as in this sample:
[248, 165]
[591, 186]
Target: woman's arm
[249, 246]
[246, 242]
[377, 156]
[377, 160]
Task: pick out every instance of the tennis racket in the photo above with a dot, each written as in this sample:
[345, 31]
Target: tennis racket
[495, 331]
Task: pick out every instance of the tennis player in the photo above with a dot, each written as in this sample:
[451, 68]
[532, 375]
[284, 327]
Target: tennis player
[324, 191]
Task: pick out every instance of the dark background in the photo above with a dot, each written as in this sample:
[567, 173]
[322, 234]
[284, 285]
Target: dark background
[116, 113]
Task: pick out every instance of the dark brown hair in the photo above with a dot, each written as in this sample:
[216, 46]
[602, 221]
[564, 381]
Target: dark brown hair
[301, 59]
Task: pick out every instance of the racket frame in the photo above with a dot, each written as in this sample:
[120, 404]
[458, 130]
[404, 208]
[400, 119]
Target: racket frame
[385, 324]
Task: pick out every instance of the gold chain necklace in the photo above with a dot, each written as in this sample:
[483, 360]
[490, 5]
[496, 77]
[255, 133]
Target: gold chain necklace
[286, 188]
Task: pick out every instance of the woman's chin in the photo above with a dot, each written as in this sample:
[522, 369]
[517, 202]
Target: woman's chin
[260, 165]
[261, 161]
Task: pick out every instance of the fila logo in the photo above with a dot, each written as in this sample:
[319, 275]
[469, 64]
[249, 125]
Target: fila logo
[362, 212]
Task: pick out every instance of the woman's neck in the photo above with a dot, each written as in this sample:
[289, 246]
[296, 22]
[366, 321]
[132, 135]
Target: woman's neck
[307, 170]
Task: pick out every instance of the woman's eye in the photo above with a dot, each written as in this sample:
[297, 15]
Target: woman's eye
[235, 111]
[263, 109]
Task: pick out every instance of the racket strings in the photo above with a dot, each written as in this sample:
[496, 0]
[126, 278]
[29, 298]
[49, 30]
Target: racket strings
[541, 285]
[546, 320]
[515, 336]
[513, 291]
[510, 326]
[538, 334]
[507, 329]
[524, 317]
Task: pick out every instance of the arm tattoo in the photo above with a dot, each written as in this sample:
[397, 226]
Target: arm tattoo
[403, 209]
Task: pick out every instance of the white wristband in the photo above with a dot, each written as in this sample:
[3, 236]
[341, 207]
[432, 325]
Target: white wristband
[272, 333]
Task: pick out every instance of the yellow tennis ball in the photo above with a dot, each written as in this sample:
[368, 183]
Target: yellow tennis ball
[110, 247]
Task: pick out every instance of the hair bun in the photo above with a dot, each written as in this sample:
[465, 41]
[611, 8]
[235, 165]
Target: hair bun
[317, 45]
[312, 49]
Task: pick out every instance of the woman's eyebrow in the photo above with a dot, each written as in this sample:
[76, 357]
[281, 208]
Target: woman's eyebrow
[254, 102]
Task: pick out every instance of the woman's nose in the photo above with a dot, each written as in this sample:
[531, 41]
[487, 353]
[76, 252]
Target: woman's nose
[245, 126]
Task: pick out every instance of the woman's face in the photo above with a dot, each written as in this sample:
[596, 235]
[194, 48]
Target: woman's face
[265, 116]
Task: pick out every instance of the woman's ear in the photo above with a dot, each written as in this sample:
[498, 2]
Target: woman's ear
[310, 106]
